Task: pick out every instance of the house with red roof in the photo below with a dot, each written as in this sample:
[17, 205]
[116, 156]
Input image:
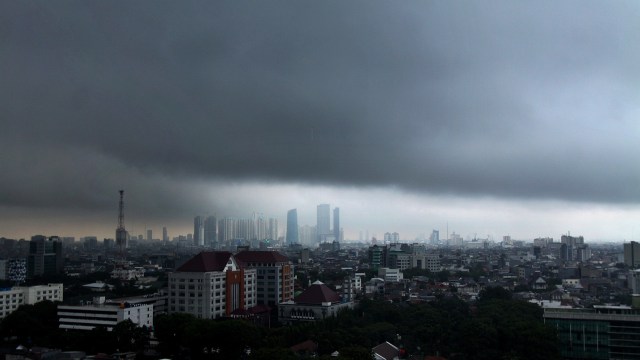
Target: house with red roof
[316, 303]
[212, 284]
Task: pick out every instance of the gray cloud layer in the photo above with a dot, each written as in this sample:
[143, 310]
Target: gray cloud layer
[516, 100]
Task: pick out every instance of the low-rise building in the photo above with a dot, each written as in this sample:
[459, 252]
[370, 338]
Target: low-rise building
[106, 314]
[12, 298]
[316, 303]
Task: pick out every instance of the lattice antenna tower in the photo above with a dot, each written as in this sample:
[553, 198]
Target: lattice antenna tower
[121, 211]
[121, 232]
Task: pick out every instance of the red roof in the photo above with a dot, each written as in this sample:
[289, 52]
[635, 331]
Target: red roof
[317, 294]
[206, 261]
[252, 256]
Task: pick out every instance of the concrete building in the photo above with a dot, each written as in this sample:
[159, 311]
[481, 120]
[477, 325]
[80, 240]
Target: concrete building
[212, 285]
[275, 278]
[11, 299]
[316, 303]
[105, 314]
[604, 332]
[292, 236]
[632, 254]
[45, 256]
[390, 275]
[323, 224]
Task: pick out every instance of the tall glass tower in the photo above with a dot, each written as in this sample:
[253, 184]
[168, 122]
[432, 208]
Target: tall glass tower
[336, 223]
[292, 227]
[323, 226]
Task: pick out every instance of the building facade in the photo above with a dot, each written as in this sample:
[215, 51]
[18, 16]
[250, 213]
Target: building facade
[105, 314]
[275, 277]
[11, 299]
[292, 236]
[212, 285]
[45, 256]
[316, 303]
[323, 223]
[604, 332]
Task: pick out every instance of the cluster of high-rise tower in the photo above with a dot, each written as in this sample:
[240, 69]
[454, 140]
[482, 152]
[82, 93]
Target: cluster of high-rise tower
[212, 232]
[322, 232]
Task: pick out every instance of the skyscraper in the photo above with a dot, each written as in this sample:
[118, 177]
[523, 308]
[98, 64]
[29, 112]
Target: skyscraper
[336, 223]
[198, 231]
[210, 231]
[323, 224]
[45, 256]
[149, 234]
[632, 254]
[292, 227]
[165, 235]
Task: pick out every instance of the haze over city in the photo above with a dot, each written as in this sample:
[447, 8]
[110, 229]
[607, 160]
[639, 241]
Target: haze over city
[496, 118]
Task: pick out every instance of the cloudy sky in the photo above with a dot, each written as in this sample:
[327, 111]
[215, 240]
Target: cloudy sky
[494, 117]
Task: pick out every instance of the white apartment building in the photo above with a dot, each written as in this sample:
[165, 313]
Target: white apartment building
[11, 299]
[106, 314]
[212, 285]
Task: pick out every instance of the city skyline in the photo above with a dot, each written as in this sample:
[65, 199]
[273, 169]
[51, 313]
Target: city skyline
[497, 119]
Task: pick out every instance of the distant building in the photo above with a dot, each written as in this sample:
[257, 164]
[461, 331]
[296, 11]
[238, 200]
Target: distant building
[14, 270]
[45, 256]
[211, 231]
[198, 231]
[336, 224]
[12, 298]
[275, 277]
[292, 227]
[212, 285]
[106, 314]
[323, 224]
[434, 239]
[632, 254]
[377, 256]
[165, 234]
[316, 303]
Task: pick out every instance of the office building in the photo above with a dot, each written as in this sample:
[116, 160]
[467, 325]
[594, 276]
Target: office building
[275, 279]
[45, 256]
[12, 298]
[632, 254]
[210, 285]
[14, 270]
[149, 234]
[292, 227]
[603, 332]
[198, 231]
[210, 231]
[165, 235]
[336, 224]
[272, 232]
[106, 314]
[323, 224]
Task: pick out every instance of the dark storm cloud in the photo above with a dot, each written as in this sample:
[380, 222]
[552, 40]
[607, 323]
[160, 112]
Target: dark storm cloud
[502, 99]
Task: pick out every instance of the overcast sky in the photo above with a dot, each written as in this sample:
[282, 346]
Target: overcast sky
[496, 117]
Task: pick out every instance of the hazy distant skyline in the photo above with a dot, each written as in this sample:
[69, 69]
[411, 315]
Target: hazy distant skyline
[500, 118]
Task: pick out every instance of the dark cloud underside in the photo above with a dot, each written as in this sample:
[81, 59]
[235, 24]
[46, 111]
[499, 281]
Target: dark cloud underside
[503, 99]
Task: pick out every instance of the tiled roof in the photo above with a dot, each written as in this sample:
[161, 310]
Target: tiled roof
[386, 350]
[206, 261]
[317, 294]
[252, 256]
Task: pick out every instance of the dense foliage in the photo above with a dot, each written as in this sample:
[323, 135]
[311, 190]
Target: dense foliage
[495, 327]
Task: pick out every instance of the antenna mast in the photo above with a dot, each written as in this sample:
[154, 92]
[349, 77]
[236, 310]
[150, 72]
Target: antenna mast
[121, 232]
[121, 211]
